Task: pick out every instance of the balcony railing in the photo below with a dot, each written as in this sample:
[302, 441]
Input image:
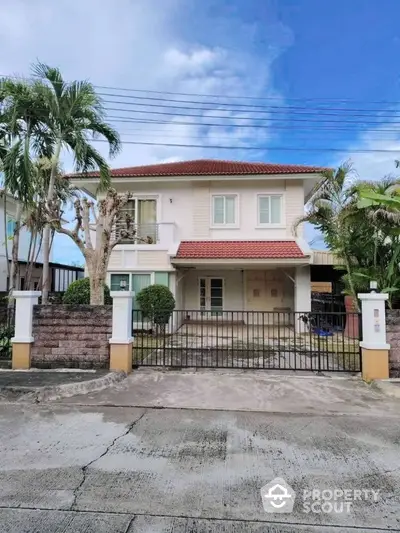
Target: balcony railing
[137, 233]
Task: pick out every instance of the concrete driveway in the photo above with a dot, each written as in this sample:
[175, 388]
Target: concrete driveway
[235, 390]
[69, 468]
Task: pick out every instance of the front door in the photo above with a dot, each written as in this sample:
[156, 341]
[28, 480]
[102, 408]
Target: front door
[211, 294]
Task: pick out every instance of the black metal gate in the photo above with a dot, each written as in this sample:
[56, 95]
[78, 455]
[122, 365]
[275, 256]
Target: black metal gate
[284, 340]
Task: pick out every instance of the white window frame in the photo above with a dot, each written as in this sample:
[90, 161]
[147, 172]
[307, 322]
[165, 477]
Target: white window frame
[136, 197]
[281, 223]
[225, 225]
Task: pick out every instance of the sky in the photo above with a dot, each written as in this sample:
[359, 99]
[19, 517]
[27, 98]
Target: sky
[286, 53]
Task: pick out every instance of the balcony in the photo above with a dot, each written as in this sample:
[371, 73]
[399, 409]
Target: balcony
[146, 233]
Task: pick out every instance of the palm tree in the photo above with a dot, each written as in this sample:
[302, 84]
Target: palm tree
[330, 209]
[382, 199]
[19, 127]
[73, 114]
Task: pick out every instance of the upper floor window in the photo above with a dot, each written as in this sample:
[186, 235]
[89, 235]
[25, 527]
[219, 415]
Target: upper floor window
[142, 214]
[269, 209]
[10, 227]
[224, 210]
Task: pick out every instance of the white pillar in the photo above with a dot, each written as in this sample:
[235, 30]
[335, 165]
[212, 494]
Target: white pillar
[122, 317]
[302, 296]
[24, 302]
[302, 290]
[373, 321]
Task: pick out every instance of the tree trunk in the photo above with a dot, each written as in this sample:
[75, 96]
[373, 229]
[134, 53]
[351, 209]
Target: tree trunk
[31, 257]
[46, 231]
[97, 275]
[5, 234]
[46, 266]
[14, 270]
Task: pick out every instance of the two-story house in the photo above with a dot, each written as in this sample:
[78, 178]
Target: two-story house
[220, 233]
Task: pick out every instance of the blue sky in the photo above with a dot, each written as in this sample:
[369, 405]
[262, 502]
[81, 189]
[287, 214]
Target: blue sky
[287, 50]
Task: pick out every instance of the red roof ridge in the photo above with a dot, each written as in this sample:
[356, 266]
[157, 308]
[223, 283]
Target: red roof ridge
[207, 167]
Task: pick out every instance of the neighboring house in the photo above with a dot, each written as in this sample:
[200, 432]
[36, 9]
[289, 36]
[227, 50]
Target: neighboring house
[221, 233]
[61, 275]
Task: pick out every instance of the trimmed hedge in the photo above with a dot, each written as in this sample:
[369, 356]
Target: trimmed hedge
[156, 303]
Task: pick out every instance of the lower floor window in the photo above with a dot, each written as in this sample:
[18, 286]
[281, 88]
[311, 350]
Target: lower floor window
[137, 282]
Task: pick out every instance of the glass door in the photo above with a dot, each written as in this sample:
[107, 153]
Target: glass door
[211, 294]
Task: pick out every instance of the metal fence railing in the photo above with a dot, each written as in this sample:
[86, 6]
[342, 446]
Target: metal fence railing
[283, 340]
[146, 233]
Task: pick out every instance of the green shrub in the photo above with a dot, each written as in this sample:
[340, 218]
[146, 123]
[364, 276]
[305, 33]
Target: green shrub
[156, 303]
[78, 293]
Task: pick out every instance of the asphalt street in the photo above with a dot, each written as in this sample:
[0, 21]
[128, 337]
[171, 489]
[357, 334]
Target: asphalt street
[81, 469]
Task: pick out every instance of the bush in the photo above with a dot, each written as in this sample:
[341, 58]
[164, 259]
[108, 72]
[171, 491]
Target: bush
[156, 303]
[78, 293]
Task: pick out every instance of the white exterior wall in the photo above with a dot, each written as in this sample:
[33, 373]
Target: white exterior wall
[188, 206]
[184, 212]
[24, 238]
[302, 292]
[233, 288]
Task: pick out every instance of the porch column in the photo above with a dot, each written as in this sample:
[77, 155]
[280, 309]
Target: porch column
[121, 341]
[23, 339]
[302, 290]
[374, 348]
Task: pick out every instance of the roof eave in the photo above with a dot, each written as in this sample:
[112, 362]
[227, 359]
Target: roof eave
[305, 260]
[79, 181]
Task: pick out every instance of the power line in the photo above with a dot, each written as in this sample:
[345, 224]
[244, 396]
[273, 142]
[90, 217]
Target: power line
[241, 97]
[251, 107]
[258, 148]
[165, 134]
[269, 119]
[223, 96]
[133, 120]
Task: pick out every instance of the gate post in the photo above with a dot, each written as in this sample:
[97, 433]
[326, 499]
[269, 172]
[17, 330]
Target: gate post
[22, 340]
[121, 341]
[374, 348]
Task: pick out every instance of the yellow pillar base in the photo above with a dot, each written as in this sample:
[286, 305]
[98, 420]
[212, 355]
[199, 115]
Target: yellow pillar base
[375, 364]
[121, 358]
[21, 356]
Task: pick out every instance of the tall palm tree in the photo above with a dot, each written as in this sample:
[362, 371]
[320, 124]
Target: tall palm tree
[19, 129]
[330, 209]
[73, 115]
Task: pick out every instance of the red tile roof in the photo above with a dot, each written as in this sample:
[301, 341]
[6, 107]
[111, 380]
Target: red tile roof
[239, 250]
[207, 167]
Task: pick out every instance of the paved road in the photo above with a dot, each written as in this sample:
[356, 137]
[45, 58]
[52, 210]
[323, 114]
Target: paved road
[83, 469]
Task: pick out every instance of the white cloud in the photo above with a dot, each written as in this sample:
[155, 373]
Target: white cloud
[148, 44]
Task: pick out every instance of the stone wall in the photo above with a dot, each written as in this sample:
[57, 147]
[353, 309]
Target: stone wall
[71, 336]
[393, 338]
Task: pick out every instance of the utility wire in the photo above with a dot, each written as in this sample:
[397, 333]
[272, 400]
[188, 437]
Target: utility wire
[249, 108]
[222, 96]
[259, 148]
[241, 97]
[133, 120]
[269, 119]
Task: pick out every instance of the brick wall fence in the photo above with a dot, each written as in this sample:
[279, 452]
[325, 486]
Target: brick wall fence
[71, 336]
[393, 338]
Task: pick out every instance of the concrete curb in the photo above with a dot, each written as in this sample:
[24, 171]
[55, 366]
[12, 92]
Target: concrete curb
[66, 390]
[388, 387]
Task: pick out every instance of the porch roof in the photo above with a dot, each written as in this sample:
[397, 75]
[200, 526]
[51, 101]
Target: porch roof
[234, 250]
